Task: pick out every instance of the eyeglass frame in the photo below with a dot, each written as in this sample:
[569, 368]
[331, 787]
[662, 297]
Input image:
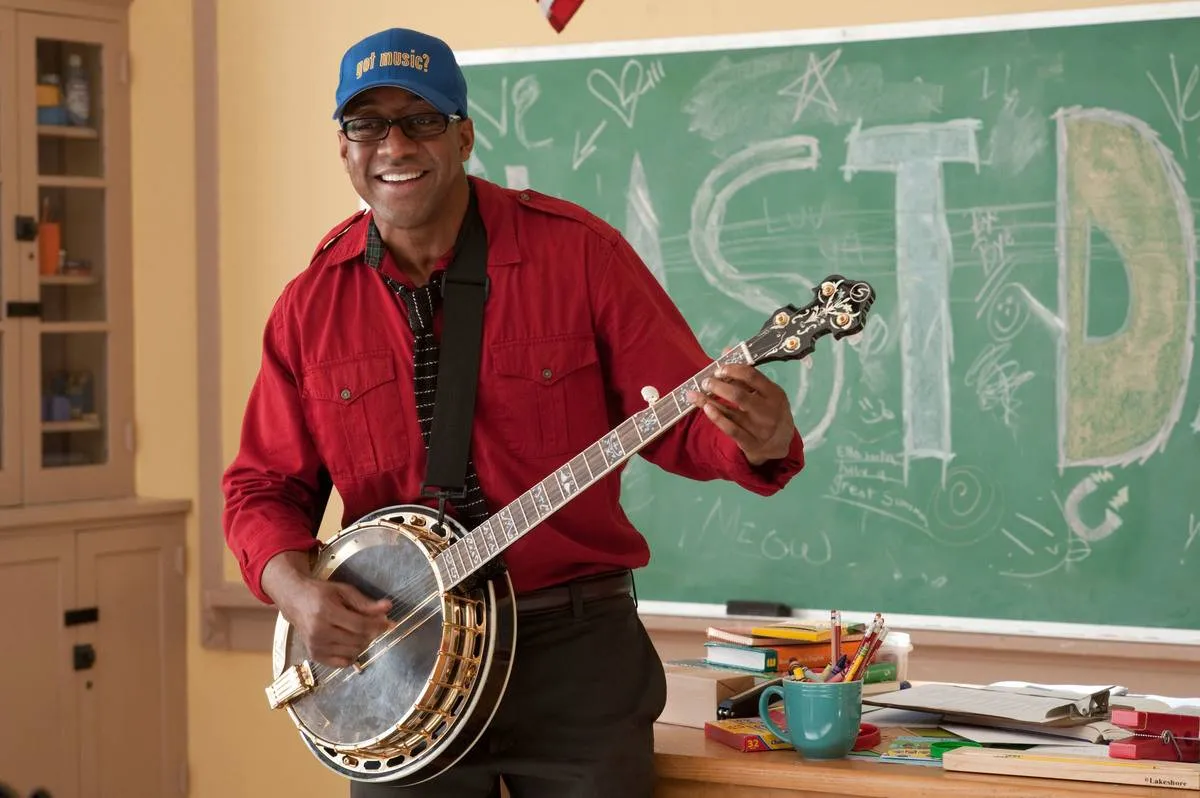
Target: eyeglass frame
[395, 121]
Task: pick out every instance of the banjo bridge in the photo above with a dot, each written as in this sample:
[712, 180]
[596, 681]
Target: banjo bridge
[295, 682]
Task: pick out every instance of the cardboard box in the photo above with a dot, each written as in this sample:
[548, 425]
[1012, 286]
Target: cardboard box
[745, 734]
[694, 692]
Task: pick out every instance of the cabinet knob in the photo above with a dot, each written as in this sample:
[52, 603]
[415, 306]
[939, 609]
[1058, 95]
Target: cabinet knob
[84, 656]
[27, 228]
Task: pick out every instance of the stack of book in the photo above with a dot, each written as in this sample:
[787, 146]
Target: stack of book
[778, 647]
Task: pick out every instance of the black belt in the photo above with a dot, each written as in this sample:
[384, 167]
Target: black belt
[588, 588]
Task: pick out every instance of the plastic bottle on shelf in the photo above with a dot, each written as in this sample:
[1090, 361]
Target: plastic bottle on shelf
[76, 92]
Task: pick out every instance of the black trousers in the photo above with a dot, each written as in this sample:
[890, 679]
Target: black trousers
[576, 720]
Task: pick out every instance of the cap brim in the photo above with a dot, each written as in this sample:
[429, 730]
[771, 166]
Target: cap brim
[434, 98]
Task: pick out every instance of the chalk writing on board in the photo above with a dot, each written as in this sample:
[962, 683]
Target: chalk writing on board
[750, 539]
[622, 93]
[723, 182]
[873, 480]
[924, 259]
[996, 379]
[1041, 550]
[967, 507]
[810, 87]
[989, 88]
[582, 152]
[1177, 99]
[1017, 137]
[1108, 418]
[525, 93]
[875, 411]
[1112, 520]
[641, 222]
[954, 445]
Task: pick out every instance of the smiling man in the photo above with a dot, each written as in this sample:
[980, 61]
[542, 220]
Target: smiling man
[574, 326]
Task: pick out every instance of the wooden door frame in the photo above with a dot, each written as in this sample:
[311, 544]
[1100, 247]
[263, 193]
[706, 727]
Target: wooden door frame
[11, 447]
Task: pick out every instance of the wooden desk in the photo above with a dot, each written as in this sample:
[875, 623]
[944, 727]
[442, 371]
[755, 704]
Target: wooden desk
[690, 766]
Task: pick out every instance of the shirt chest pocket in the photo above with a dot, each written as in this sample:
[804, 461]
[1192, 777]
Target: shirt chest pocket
[549, 393]
[355, 414]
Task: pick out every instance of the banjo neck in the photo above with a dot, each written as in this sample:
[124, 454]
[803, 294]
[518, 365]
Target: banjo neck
[839, 308]
[486, 541]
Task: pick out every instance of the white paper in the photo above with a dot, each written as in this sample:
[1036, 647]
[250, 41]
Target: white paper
[1188, 706]
[989, 735]
[886, 716]
[988, 702]
[1080, 689]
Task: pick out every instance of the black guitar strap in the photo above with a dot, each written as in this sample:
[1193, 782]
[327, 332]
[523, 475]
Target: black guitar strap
[464, 292]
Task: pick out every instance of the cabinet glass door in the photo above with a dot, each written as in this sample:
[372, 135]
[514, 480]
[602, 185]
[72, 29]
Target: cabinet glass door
[10, 389]
[75, 166]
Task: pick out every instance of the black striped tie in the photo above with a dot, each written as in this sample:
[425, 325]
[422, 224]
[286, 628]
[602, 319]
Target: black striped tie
[472, 507]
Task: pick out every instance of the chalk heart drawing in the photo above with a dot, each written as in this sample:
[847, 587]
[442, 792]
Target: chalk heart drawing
[620, 96]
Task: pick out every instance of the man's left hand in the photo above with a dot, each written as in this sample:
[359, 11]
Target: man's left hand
[749, 408]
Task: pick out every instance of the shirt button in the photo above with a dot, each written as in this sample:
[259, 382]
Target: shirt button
[524, 195]
[547, 374]
[345, 394]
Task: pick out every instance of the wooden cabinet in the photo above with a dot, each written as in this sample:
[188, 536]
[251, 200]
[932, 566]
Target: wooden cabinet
[66, 427]
[92, 608]
[92, 597]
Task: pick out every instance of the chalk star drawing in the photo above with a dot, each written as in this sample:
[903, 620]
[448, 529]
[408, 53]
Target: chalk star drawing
[808, 86]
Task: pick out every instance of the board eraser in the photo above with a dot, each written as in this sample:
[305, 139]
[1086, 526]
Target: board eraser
[768, 608]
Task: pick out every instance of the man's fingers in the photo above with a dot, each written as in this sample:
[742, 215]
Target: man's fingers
[336, 653]
[735, 393]
[751, 377]
[729, 420]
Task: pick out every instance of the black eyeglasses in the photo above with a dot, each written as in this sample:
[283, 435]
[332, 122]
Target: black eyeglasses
[415, 126]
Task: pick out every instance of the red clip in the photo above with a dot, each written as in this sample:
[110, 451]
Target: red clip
[869, 736]
[1157, 735]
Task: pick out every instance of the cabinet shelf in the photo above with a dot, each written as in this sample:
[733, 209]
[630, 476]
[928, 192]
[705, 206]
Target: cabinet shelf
[71, 181]
[69, 327]
[68, 279]
[75, 425]
[68, 132]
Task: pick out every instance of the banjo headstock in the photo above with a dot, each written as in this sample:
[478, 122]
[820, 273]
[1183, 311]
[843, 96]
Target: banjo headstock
[839, 308]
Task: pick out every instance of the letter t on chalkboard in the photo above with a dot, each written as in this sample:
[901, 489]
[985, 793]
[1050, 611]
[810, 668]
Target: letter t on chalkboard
[924, 259]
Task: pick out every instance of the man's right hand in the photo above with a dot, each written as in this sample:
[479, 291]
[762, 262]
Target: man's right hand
[335, 621]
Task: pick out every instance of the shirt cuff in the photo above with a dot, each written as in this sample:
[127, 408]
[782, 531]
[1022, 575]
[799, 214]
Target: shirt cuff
[768, 477]
[254, 559]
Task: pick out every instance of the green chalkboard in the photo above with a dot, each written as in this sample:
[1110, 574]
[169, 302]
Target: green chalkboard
[1016, 434]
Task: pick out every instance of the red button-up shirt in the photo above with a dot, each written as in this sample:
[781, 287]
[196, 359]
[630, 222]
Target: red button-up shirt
[575, 326]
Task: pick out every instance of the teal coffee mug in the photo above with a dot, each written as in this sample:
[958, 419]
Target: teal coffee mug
[822, 717]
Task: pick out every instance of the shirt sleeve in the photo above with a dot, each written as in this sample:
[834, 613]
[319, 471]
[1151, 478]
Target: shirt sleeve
[645, 340]
[276, 487]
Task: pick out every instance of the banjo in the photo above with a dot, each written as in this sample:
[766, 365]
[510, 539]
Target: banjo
[423, 692]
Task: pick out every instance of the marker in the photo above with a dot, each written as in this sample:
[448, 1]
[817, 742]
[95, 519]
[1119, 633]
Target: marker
[745, 703]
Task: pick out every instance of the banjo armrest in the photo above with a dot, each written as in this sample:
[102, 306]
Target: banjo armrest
[293, 683]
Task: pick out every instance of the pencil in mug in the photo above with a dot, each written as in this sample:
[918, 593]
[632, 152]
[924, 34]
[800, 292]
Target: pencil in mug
[863, 647]
[835, 634]
[871, 652]
[843, 673]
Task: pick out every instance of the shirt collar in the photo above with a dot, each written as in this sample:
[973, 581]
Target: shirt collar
[499, 219]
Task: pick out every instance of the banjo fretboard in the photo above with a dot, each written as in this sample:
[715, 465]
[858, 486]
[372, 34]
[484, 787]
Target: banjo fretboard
[525, 512]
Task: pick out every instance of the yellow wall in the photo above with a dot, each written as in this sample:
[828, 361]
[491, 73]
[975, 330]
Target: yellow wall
[281, 187]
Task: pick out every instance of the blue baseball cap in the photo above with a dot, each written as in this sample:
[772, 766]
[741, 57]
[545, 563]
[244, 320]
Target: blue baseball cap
[406, 59]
